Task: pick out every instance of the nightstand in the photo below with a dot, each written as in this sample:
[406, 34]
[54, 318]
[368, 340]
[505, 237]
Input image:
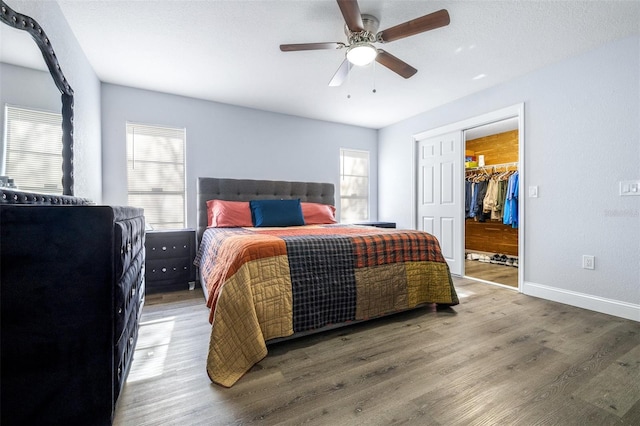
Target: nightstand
[378, 224]
[169, 260]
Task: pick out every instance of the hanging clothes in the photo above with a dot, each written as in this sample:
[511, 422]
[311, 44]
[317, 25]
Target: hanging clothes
[491, 199]
[475, 192]
[468, 188]
[510, 211]
[474, 200]
[482, 193]
[496, 212]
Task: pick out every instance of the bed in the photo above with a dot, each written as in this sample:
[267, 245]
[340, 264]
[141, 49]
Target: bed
[264, 283]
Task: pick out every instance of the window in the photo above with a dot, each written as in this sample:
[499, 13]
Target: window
[33, 149]
[156, 174]
[354, 185]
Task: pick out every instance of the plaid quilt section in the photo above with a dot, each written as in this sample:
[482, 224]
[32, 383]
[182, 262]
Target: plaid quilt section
[395, 247]
[322, 281]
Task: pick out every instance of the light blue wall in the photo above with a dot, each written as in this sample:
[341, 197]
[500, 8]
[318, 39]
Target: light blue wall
[229, 141]
[85, 83]
[582, 136]
[28, 88]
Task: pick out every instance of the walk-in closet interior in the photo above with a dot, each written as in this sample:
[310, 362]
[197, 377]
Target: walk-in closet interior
[491, 203]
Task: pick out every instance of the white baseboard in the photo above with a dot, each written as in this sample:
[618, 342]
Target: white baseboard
[586, 301]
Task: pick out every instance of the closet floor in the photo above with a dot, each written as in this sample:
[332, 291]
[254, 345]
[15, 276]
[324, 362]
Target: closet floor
[501, 274]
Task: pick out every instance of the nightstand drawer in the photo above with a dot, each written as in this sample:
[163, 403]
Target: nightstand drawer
[161, 246]
[168, 269]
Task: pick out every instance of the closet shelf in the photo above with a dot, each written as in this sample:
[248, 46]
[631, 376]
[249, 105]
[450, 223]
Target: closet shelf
[489, 166]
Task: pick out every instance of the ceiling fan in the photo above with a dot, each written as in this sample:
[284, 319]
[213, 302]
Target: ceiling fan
[362, 32]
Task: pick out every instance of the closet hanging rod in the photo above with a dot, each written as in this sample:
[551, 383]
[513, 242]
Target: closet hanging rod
[488, 166]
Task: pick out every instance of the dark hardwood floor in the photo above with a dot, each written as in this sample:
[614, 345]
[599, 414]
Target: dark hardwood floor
[498, 358]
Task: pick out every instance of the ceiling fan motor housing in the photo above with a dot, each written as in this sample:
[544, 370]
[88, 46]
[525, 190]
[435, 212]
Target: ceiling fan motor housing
[370, 24]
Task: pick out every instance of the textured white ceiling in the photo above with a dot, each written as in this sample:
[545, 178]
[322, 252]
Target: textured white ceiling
[228, 51]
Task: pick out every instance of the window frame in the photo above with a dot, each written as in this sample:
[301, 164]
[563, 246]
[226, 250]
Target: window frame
[182, 192]
[367, 197]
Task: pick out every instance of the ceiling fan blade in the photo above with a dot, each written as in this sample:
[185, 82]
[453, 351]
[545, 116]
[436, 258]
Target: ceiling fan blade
[310, 46]
[351, 13]
[415, 26]
[341, 74]
[394, 64]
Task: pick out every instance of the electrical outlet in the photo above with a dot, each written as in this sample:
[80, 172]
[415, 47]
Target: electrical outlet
[588, 262]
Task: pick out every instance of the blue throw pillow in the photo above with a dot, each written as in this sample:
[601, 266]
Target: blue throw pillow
[276, 213]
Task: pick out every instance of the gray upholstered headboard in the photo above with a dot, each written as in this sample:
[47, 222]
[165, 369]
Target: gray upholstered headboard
[247, 190]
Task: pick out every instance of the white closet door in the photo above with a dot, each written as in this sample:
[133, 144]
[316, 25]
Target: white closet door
[440, 194]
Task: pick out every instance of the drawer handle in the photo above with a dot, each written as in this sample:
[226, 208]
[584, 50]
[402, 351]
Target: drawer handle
[164, 248]
[164, 269]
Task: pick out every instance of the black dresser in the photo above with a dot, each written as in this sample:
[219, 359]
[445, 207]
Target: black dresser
[72, 287]
[169, 257]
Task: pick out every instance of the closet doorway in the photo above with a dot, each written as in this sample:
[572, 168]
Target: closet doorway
[431, 207]
[491, 202]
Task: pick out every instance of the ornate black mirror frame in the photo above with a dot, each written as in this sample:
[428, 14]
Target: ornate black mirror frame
[28, 24]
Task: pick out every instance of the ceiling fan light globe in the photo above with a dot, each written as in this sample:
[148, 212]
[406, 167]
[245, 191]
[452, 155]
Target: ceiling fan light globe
[361, 54]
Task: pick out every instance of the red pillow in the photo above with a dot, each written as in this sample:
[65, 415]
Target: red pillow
[318, 214]
[228, 214]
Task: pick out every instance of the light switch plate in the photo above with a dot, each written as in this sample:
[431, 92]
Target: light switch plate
[630, 187]
[533, 191]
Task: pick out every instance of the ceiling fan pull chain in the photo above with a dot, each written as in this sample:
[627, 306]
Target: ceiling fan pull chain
[374, 78]
[349, 86]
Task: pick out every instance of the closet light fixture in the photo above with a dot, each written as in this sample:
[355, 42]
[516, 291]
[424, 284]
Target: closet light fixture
[361, 53]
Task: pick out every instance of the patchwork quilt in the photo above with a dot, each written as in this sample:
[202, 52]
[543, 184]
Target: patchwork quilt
[266, 283]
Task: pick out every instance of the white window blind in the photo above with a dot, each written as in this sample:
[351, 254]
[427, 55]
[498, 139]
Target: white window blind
[354, 185]
[156, 174]
[33, 149]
